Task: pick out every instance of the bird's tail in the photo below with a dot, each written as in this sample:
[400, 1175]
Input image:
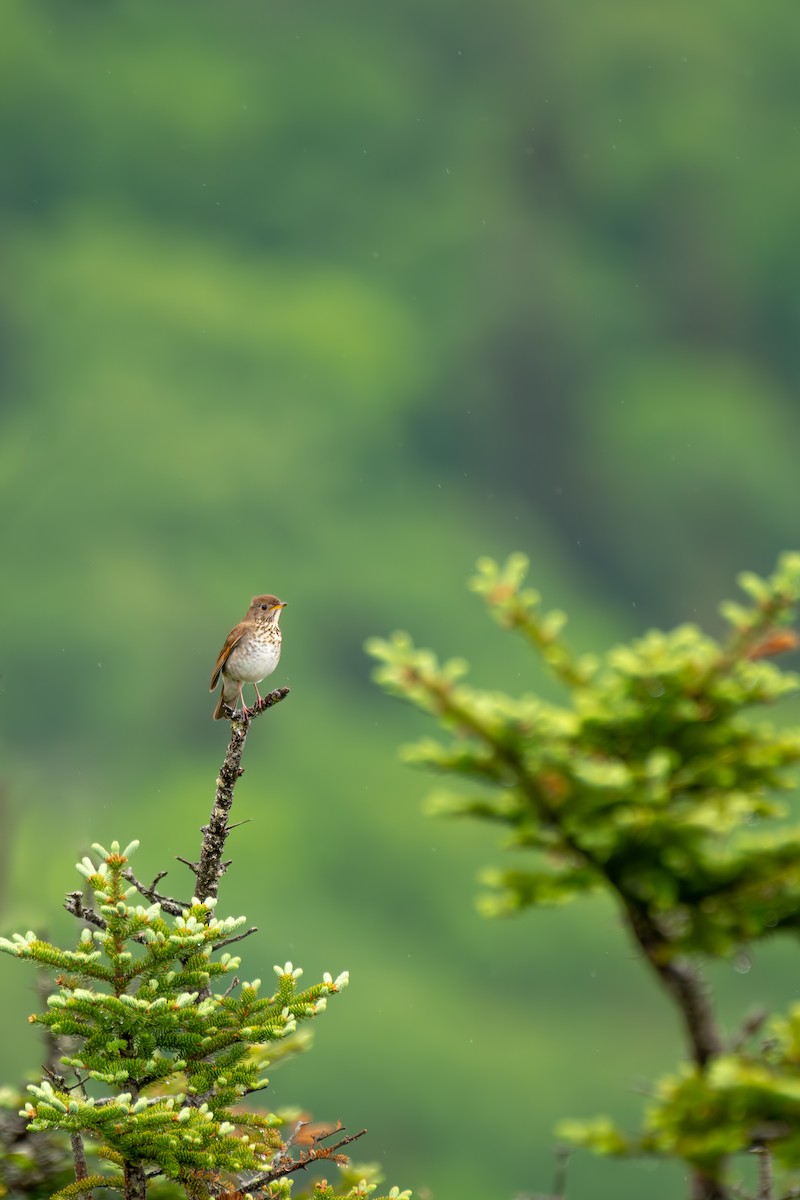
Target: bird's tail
[228, 694]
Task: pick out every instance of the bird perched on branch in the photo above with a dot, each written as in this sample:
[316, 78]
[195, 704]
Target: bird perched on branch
[251, 652]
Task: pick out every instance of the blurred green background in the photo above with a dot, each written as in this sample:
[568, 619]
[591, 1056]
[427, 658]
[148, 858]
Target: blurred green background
[327, 300]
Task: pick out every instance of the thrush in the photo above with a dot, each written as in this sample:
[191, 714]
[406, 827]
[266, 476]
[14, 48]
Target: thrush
[251, 652]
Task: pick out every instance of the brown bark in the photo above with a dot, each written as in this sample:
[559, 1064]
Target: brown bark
[210, 869]
[135, 1182]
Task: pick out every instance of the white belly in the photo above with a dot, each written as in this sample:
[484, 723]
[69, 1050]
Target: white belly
[252, 663]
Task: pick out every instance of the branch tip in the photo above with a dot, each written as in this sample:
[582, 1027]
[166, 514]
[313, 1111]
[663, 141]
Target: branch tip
[211, 866]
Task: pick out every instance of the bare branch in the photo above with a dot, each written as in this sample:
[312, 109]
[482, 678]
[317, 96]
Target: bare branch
[750, 1026]
[234, 983]
[317, 1153]
[562, 1155]
[73, 903]
[239, 937]
[560, 1182]
[210, 868]
[764, 1172]
[169, 904]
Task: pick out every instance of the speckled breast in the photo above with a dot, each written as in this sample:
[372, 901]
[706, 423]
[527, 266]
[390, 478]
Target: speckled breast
[254, 657]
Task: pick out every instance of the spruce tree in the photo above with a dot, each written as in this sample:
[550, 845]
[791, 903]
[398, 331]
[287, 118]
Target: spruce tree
[157, 1043]
[656, 782]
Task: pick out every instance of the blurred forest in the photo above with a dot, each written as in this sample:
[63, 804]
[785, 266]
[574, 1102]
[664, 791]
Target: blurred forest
[327, 300]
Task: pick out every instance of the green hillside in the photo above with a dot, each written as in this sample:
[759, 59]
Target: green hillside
[328, 300]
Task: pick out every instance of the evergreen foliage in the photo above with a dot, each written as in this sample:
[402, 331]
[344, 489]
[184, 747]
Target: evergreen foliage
[655, 784]
[173, 1058]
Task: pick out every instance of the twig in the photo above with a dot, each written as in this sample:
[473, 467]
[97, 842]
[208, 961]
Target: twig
[706, 1187]
[73, 903]
[211, 867]
[750, 1026]
[764, 1172]
[562, 1154]
[168, 903]
[560, 1181]
[44, 986]
[78, 1152]
[238, 938]
[234, 983]
[49, 1069]
[315, 1154]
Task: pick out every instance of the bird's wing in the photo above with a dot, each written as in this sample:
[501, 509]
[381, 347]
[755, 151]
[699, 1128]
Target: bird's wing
[232, 640]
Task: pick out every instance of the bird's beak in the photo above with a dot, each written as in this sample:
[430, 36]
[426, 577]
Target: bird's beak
[282, 604]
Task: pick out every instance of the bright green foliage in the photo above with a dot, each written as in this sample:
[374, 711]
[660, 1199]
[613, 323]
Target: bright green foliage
[326, 1191]
[741, 1099]
[655, 783]
[161, 1060]
[634, 782]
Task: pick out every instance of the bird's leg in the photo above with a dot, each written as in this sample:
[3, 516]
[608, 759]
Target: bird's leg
[258, 693]
[245, 709]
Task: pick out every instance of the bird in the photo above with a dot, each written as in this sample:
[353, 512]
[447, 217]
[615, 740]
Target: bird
[250, 653]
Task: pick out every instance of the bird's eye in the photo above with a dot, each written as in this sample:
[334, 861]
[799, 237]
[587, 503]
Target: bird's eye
[265, 607]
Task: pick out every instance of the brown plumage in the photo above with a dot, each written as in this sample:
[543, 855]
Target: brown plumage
[250, 653]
